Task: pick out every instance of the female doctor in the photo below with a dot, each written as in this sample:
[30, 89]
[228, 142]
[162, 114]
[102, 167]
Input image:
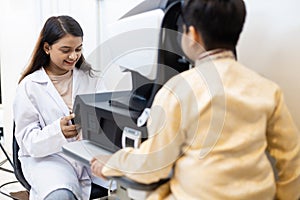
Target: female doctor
[57, 72]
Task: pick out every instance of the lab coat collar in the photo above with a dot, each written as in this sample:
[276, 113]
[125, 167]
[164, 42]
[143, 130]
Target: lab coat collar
[40, 76]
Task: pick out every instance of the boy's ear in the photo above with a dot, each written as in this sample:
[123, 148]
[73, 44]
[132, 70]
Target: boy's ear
[196, 36]
[46, 47]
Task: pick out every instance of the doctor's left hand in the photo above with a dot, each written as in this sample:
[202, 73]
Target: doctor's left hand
[69, 130]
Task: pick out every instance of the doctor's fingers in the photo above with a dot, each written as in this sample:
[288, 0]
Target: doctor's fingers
[70, 134]
[65, 120]
[69, 131]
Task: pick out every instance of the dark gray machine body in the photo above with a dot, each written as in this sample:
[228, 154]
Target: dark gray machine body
[103, 124]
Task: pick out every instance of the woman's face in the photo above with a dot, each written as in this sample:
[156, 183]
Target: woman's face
[64, 54]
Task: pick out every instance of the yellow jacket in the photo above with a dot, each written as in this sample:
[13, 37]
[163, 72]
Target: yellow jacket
[211, 125]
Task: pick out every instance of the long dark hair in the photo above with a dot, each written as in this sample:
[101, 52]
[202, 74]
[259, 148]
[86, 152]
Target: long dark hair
[54, 29]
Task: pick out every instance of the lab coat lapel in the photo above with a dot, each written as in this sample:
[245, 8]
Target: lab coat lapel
[43, 78]
[57, 98]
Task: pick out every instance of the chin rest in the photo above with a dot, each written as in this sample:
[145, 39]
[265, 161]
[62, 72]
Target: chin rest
[128, 189]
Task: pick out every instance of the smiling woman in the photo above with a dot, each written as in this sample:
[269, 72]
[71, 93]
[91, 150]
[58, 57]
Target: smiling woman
[59, 47]
[56, 73]
[63, 54]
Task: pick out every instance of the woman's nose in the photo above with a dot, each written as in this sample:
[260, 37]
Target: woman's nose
[73, 56]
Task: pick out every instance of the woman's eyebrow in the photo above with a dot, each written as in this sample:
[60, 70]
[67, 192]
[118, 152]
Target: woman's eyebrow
[79, 46]
[68, 47]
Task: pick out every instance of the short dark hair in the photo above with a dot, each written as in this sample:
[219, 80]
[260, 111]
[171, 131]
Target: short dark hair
[220, 22]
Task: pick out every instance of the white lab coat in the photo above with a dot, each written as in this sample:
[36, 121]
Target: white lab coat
[37, 110]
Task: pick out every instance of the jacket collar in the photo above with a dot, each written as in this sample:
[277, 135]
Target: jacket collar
[214, 55]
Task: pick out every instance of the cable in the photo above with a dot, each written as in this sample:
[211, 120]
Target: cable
[2, 162]
[8, 194]
[7, 157]
[3, 169]
[6, 170]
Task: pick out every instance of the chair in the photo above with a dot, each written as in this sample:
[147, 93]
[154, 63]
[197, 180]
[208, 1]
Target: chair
[96, 192]
[17, 164]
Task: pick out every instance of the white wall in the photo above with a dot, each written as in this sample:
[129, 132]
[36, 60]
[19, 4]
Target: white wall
[270, 45]
[110, 12]
[18, 32]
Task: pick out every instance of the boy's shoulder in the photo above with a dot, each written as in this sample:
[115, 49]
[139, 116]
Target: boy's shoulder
[228, 72]
[251, 76]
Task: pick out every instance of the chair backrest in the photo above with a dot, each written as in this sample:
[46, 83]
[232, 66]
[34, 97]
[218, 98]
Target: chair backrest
[17, 164]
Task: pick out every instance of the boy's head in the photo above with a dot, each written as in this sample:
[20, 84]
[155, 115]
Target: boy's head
[217, 22]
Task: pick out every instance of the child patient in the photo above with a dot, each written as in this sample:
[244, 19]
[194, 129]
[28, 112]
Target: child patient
[211, 125]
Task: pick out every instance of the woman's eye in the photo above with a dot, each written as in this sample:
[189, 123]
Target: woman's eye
[78, 50]
[65, 51]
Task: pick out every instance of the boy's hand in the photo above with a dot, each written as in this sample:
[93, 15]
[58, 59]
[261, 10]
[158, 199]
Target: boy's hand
[97, 164]
[67, 128]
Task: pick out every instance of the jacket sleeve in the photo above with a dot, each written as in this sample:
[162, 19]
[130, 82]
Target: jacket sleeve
[156, 156]
[284, 145]
[34, 137]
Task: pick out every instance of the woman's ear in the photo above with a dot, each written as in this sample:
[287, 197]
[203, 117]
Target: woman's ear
[46, 48]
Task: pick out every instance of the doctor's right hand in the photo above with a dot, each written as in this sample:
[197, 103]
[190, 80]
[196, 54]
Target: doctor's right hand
[67, 128]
